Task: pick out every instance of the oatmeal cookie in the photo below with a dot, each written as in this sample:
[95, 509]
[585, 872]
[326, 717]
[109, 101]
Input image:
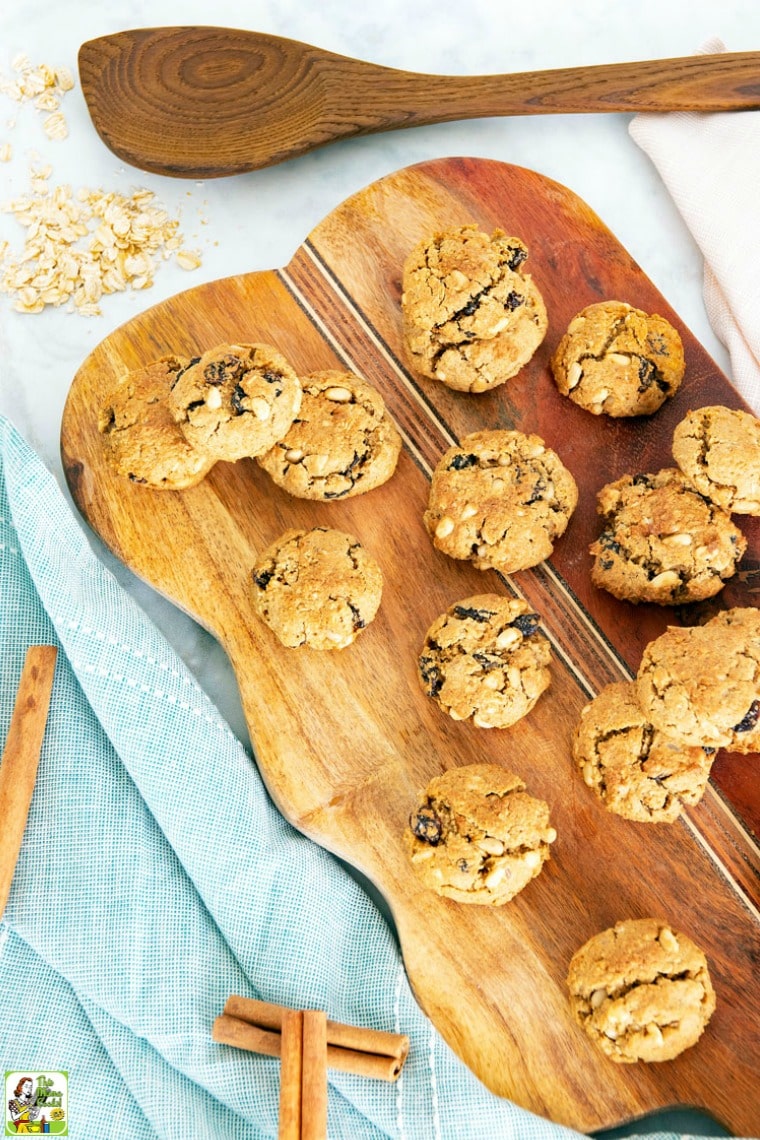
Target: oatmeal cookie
[317, 588]
[342, 442]
[471, 317]
[718, 449]
[618, 360]
[701, 684]
[641, 991]
[486, 658]
[636, 770]
[140, 438]
[477, 836]
[663, 541]
[500, 499]
[236, 400]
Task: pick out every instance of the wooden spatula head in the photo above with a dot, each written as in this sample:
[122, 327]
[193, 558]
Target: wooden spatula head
[197, 102]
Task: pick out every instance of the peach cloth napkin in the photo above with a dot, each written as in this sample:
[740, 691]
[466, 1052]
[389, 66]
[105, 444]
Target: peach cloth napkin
[710, 164]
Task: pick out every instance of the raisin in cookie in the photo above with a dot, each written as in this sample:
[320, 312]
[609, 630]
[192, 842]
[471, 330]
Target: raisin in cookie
[718, 449]
[342, 442]
[317, 588]
[500, 499]
[236, 400]
[663, 541]
[636, 770]
[641, 991]
[471, 317]
[618, 360]
[701, 684]
[140, 438]
[485, 658]
[477, 836]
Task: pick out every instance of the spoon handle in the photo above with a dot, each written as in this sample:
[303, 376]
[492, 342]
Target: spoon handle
[722, 82]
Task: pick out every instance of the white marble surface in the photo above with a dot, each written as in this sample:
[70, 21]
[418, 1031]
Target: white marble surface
[256, 221]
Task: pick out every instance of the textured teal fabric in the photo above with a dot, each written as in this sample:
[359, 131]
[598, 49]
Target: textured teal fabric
[156, 878]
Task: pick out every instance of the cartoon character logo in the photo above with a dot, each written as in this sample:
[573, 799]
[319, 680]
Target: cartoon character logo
[36, 1105]
[23, 1107]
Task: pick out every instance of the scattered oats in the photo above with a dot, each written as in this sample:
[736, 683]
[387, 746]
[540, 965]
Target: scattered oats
[47, 74]
[11, 89]
[55, 126]
[46, 85]
[28, 301]
[64, 80]
[32, 84]
[188, 259]
[6, 152]
[47, 101]
[80, 246]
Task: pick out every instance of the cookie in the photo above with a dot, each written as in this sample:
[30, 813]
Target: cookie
[636, 770]
[701, 684]
[342, 442]
[140, 438]
[718, 449]
[477, 836]
[486, 658]
[663, 541]
[317, 588]
[641, 991]
[618, 360]
[472, 319]
[500, 499]
[236, 400]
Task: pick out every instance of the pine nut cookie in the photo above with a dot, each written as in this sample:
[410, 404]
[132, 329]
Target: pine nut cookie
[500, 499]
[341, 443]
[701, 684]
[618, 360]
[317, 588]
[718, 449]
[634, 769]
[472, 319]
[486, 658]
[140, 439]
[236, 400]
[641, 991]
[663, 541]
[477, 836]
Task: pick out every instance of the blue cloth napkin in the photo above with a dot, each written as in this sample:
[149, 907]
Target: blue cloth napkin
[156, 878]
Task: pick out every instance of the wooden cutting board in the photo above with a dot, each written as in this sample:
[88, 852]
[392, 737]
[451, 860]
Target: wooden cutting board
[345, 740]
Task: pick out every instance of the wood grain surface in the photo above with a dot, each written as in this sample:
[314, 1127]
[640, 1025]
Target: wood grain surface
[345, 740]
[200, 102]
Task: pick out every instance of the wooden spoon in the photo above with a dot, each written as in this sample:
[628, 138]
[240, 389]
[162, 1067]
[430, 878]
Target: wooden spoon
[201, 102]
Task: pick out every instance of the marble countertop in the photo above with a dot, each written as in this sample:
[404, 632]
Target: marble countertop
[257, 221]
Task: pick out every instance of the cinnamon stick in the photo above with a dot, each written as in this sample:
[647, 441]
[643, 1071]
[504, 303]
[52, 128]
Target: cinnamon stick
[291, 1077]
[21, 757]
[232, 1031]
[353, 1038]
[314, 1075]
[241, 1034]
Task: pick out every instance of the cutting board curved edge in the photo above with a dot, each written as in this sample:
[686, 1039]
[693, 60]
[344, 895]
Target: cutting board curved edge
[345, 740]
